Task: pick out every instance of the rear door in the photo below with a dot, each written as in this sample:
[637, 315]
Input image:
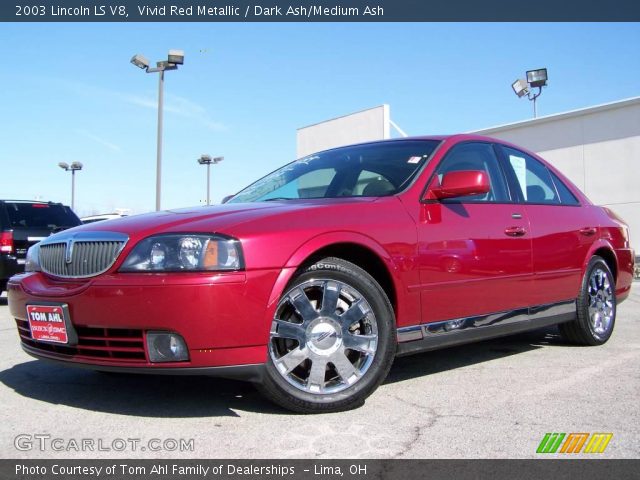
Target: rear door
[474, 252]
[561, 230]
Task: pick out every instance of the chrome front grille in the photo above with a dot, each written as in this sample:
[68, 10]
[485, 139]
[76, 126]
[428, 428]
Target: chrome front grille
[80, 255]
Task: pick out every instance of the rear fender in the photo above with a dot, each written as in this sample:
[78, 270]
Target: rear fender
[597, 245]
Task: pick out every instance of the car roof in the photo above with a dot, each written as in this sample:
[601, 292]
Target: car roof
[30, 201]
[458, 137]
[455, 136]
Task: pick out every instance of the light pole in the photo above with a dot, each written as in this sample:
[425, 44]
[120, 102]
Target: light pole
[72, 168]
[175, 58]
[535, 79]
[207, 160]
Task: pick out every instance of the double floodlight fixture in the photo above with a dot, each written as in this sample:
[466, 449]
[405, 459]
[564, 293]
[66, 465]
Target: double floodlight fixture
[73, 167]
[535, 79]
[174, 58]
[207, 160]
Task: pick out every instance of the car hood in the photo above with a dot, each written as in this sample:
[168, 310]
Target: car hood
[218, 219]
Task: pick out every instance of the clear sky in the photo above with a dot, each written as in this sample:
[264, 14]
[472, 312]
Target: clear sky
[69, 94]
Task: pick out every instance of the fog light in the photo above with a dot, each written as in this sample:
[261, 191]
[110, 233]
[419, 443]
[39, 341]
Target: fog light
[166, 347]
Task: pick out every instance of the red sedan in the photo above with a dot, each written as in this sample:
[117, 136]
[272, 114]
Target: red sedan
[312, 279]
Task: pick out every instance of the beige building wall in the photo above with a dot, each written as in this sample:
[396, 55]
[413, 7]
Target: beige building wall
[598, 148]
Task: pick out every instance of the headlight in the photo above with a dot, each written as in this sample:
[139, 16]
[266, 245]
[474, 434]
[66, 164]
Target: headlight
[32, 262]
[184, 252]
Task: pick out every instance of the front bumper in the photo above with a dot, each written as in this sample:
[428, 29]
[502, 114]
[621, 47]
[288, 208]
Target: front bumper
[251, 373]
[223, 318]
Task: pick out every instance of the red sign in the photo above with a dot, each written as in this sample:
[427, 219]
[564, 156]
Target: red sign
[47, 323]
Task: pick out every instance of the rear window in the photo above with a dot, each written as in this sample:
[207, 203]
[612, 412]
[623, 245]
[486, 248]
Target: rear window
[40, 215]
[566, 197]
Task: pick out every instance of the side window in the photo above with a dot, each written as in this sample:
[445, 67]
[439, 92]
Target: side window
[533, 178]
[566, 196]
[476, 156]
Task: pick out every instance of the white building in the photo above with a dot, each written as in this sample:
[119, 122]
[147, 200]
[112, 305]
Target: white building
[359, 127]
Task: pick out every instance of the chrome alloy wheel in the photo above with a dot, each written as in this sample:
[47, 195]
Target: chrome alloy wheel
[601, 304]
[324, 336]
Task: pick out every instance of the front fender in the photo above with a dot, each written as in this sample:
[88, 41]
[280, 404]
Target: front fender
[319, 242]
[324, 240]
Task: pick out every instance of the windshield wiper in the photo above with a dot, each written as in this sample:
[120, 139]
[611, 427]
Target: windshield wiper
[276, 198]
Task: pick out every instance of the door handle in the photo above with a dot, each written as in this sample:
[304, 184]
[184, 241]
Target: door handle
[515, 231]
[588, 231]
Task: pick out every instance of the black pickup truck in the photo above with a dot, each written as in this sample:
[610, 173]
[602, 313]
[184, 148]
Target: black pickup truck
[24, 223]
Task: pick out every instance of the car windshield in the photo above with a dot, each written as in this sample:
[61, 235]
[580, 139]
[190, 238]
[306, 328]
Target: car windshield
[40, 215]
[370, 170]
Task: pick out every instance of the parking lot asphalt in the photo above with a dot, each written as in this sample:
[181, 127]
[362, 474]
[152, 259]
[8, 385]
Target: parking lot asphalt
[494, 399]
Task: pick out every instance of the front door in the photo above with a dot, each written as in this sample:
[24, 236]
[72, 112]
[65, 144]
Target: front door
[474, 252]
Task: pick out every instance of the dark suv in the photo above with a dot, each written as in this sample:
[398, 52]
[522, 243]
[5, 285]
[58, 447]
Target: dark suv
[23, 223]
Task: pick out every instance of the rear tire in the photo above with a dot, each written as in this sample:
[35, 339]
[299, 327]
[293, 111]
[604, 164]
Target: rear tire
[596, 307]
[332, 340]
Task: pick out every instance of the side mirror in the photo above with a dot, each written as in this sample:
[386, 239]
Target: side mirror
[459, 184]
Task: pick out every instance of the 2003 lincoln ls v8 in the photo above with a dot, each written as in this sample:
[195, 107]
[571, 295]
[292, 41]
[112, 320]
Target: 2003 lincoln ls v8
[311, 280]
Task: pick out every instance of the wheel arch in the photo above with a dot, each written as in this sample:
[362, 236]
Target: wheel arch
[607, 252]
[363, 257]
[350, 246]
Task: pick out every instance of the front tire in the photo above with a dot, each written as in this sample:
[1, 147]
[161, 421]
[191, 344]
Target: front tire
[596, 306]
[332, 339]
